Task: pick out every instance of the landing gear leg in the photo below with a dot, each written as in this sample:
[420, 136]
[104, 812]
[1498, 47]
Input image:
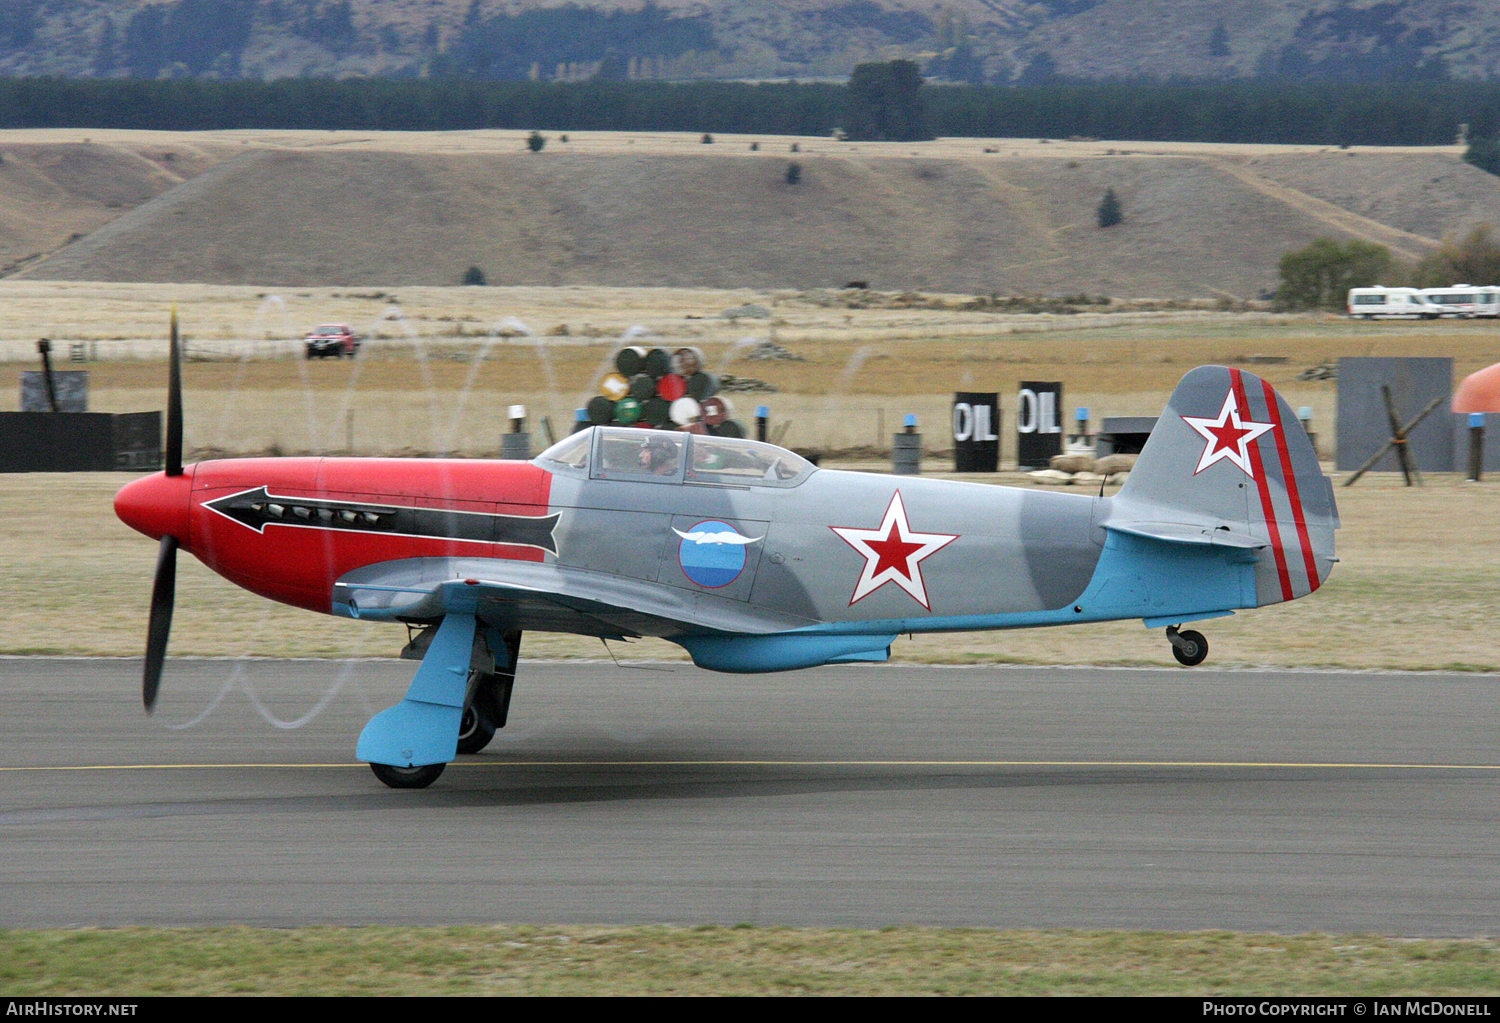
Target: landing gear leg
[408, 745]
[1188, 647]
[488, 703]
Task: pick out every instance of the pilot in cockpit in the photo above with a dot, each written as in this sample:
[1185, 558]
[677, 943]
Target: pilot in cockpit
[658, 456]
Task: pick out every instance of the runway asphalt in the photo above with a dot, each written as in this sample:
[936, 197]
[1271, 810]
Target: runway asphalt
[862, 796]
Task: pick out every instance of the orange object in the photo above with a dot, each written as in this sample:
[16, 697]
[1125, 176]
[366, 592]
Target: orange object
[1479, 392]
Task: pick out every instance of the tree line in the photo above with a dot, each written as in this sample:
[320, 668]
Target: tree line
[531, 44]
[1428, 113]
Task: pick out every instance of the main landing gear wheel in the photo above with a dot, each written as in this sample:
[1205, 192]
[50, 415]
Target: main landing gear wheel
[475, 730]
[488, 703]
[408, 777]
[1188, 647]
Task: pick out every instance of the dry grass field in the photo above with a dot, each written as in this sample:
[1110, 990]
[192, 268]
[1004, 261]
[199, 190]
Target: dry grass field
[1016, 216]
[444, 364]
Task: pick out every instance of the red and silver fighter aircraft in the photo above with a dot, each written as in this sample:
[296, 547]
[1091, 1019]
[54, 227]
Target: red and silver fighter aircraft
[743, 553]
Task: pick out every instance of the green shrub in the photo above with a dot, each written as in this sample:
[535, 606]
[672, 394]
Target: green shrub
[1320, 275]
[1475, 260]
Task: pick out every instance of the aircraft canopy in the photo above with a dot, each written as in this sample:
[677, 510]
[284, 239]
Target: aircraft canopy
[664, 456]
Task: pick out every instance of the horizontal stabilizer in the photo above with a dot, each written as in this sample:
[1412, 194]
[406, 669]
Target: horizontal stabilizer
[1178, 532]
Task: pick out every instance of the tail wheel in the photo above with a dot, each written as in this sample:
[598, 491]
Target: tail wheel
[1192, 650]
[408, 777]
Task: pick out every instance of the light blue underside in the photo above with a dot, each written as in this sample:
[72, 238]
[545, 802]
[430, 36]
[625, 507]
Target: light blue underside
[1136, 577]
[1159, 581]
[423, 728]
[783, 651]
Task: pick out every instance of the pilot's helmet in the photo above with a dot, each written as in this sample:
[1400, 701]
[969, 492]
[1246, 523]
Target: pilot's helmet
[658, 453]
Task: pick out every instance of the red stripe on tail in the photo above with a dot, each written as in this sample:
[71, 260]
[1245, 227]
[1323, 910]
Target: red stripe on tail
[1267, 509]
[1291, 488]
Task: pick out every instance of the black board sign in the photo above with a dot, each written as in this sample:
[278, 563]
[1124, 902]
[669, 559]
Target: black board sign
[976, 431]
[1039, 431]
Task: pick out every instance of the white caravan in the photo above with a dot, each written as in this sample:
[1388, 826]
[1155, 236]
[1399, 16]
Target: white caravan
[1465, 300]
[1369, 303]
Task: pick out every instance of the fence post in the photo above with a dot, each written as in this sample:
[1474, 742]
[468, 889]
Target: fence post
[1476, 446]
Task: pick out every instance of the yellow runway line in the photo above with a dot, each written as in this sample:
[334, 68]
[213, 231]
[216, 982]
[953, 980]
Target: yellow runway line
[1283, 765]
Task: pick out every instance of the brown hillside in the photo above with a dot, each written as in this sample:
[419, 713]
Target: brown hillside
[1424, 193]
[947, 216]
[52, 193]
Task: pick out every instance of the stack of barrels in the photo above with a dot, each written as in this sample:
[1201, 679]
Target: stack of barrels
[655, 389]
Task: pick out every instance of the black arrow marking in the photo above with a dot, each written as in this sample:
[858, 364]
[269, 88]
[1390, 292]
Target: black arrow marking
[256, 509]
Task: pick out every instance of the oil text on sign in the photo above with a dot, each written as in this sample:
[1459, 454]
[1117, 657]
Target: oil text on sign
[1037, 413]
[972, 422]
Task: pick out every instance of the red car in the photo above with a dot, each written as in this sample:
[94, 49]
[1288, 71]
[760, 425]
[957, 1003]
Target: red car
[337, 340]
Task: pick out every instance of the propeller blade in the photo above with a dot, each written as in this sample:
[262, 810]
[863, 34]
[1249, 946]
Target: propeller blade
[174, 405]
[163, 593]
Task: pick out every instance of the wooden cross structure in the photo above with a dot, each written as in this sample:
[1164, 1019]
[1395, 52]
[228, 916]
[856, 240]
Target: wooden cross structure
[1399, 434]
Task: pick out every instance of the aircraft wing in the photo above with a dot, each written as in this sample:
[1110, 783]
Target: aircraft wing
[545, 598]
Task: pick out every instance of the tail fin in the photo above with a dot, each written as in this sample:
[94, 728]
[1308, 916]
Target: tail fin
[1228, 464]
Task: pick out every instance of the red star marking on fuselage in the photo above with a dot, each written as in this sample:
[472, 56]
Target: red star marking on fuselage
[893, 553]
[1229, 436]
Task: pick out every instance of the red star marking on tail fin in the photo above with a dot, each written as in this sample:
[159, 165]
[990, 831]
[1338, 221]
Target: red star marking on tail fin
[1229, 436]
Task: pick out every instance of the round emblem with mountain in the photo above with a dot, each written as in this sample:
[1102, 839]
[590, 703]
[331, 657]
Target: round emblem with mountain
[712, 553]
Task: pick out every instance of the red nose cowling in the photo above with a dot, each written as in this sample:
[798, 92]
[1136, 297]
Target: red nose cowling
[157, 505]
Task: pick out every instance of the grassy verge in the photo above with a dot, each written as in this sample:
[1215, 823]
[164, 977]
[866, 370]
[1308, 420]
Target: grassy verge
[740, 960]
